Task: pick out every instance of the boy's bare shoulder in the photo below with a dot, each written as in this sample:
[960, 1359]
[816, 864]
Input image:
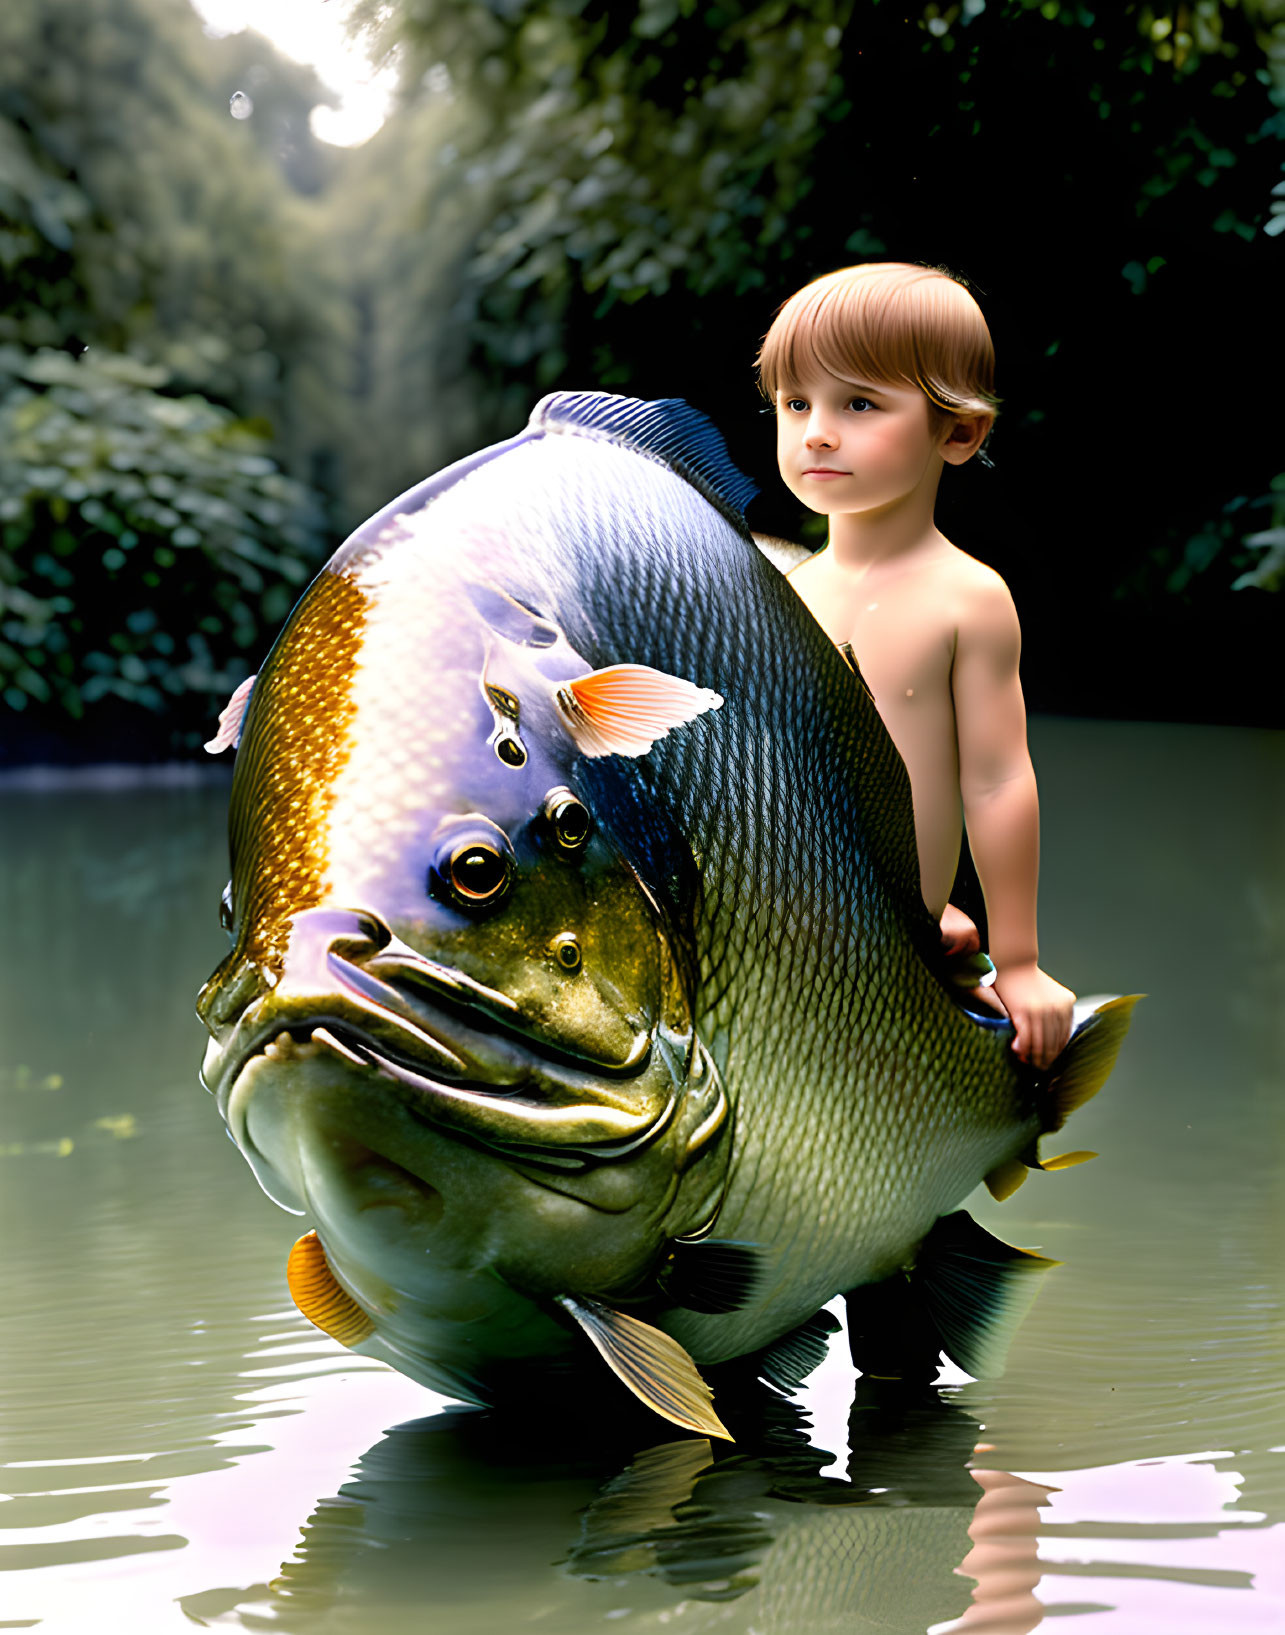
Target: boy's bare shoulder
[973, 576]
[985, 613]
[981, 596]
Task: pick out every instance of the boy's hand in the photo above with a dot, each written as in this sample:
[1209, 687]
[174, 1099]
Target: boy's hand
[1040, 1010]
[958, 933]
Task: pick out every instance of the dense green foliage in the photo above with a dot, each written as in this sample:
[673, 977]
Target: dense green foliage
[575, 193]
[405, 225]
[698, 162]
[662, 141]
[140, 217]
[150, 537]
[651, 178]
[149, 544]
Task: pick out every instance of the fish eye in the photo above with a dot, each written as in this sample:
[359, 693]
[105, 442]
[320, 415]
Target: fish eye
[477, 874]
[510, 751]
[225, 908]
[568, 819]
[566, 950]
[471, 863]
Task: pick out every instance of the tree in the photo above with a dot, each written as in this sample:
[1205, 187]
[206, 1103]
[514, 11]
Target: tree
[651, 179]
[150, 541]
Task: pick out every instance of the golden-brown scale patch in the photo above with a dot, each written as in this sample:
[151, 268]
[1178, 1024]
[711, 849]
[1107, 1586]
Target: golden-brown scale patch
[303, 713]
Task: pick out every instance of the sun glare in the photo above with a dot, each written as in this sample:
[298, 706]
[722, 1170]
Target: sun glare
[314, 32]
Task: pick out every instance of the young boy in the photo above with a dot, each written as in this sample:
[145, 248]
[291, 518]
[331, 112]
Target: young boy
[881, 375]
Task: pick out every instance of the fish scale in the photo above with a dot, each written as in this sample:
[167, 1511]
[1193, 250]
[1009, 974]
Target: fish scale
[716, 1006]
[785, 1104]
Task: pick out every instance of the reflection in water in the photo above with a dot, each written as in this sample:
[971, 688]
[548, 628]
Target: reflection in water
[464, 1513]
[167, 1424]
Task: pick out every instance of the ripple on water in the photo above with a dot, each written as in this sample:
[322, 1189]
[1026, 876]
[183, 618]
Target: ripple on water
[180, 1445]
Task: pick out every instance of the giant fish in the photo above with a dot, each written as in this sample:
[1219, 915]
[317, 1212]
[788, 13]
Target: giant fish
[581, 990]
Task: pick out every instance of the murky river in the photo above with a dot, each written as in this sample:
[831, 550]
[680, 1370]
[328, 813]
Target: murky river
[182, 1449]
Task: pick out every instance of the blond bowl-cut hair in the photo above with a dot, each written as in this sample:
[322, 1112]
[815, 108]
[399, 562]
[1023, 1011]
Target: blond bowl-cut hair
[885, 322]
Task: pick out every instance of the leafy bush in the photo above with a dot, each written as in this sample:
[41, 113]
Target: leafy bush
[1234, 540]
[148, 546]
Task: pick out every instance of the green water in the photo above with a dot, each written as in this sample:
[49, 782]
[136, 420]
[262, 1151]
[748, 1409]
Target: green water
[181, 1449]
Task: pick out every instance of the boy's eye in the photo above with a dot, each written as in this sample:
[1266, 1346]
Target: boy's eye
[860, 404]
[797, 404]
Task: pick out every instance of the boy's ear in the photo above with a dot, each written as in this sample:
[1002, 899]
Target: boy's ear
[965, 437]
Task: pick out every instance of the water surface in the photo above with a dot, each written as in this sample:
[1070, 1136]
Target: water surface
[181, 1449]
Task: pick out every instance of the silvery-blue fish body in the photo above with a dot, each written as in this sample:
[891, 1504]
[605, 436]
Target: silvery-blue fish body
[519, 1023]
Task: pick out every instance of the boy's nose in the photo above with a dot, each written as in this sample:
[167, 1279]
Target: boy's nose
[819, 434]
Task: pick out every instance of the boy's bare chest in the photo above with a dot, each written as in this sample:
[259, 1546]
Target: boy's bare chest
[901, 629]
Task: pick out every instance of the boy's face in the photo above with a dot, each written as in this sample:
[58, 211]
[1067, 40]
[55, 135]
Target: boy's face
[857, 448]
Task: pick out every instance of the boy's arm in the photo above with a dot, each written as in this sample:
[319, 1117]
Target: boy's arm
[1001, 811]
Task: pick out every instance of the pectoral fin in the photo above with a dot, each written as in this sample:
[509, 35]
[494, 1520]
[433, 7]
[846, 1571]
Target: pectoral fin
[788, 1362]
[654, 1367]
[713, 1274]
[317, 1292]
[625, 708]
[231, 718]
[975, 1290]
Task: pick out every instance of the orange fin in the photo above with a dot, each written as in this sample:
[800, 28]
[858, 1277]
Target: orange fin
[316, 1291]
[625, 708]
[230, 718]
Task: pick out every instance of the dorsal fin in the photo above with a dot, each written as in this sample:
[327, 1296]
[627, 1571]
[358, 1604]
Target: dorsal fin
[669, 430]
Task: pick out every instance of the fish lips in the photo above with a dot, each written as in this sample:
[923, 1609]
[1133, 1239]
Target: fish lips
[487, 1083]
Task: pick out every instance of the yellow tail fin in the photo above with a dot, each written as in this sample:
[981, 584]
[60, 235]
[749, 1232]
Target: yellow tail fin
[1083, 1067]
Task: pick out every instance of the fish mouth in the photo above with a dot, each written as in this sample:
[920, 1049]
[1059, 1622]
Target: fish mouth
[463, 1064]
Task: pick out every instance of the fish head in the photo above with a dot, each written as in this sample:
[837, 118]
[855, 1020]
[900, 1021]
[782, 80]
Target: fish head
[456, 1023]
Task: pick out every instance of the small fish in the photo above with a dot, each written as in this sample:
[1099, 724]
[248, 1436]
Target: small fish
[581, 990]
